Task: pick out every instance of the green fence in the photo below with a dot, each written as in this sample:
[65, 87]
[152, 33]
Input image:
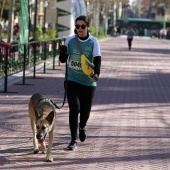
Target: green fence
[36, 55]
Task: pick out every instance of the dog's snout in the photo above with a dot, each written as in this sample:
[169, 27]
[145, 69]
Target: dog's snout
[39, 136]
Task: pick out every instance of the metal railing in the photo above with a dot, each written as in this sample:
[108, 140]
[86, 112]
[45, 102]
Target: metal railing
[32, 56]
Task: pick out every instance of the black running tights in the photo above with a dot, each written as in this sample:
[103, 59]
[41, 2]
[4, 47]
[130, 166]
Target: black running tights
[80, 98]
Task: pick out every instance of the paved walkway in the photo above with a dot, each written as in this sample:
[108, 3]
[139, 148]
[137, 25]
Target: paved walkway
[129, 127]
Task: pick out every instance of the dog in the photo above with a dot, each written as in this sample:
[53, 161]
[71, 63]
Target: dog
[43, 118]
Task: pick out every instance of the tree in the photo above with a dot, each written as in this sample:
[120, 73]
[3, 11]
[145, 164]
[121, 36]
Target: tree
[11, 19]
[98, 11]
[2, 8]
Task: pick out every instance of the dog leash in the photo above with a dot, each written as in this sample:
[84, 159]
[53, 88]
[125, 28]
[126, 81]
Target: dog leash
[65, 91]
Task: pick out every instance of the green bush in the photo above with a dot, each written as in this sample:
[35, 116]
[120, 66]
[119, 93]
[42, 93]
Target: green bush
[101, 31]
[92, 30]
[37, 35]
[50, 34]
[4, 34]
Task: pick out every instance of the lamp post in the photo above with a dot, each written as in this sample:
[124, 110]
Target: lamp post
[11, 18]
[35, 16]
[45, 7]
[30, 14]
[114, 17]
[164, 21]
[31, 2]
[106, 24]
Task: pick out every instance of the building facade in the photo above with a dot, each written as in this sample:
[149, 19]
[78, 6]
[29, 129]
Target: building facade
[153, 9]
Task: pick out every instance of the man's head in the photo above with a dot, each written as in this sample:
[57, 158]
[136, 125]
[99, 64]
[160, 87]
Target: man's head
[82, 26]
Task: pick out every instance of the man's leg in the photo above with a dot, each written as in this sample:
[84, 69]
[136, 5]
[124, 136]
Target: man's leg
[73, 93]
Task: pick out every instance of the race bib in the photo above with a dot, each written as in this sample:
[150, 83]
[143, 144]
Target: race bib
[74, 65]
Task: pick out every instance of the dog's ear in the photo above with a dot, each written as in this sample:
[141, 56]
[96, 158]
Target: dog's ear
[50, 117]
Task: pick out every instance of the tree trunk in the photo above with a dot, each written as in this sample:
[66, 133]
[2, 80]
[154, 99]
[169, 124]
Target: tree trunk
[2, 9]
[10, 21]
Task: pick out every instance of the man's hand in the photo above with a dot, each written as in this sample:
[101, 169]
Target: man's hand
[63, 49]
[94, 77]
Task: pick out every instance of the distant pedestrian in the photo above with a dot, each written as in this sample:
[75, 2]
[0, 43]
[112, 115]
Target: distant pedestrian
[130, 33]
[118, 30]
[164, 33]
[2, 43]
[50, 27]
[1, 27]
[15, 33]
[17, 26]
[44, 29]
[161, 33]
[140, 32]
[145, 32]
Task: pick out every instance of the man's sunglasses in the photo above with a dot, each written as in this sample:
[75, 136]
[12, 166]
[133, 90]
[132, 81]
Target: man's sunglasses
[82, 26]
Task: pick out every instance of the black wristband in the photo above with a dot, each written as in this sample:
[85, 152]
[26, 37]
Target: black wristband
[95, 76]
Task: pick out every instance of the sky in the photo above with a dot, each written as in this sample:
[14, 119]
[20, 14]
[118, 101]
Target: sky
[130, 1]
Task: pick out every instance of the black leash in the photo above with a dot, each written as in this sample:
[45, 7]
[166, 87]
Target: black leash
[65, 92]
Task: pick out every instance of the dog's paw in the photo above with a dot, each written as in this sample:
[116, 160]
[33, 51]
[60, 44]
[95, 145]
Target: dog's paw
[50, 159]
[36, 151]
[44, 151]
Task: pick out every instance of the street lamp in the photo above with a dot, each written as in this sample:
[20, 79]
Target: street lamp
[114, 17]
[31, 2]
[30, 14]
[45, 6]
[35, 16]
[164, 21]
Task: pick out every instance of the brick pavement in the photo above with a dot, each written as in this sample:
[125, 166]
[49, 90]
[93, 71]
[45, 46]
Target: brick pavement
[129, 127]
